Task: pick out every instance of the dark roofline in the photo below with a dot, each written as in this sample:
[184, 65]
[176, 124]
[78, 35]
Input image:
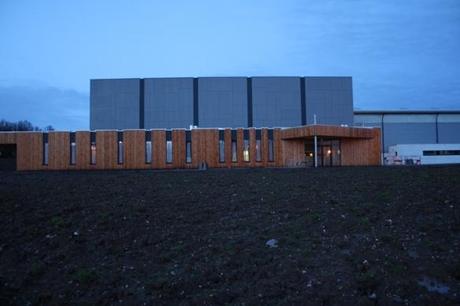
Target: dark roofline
[229, 76]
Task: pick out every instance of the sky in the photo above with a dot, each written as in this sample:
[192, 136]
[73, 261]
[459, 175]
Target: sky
[401, 54]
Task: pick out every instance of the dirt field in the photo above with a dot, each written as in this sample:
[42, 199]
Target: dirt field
[338, 236]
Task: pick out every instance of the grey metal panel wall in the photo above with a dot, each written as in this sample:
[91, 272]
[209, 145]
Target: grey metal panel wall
[330, 98]
[168, 102]
[367, 120]
[222, 102]
[114, 104]
[276, 101]
[407, 133]
[449, 132]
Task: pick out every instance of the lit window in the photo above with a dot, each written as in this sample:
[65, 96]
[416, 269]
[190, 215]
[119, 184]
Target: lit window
[246, 145]
[148, 147]
[221, 151]
[120, 148]
[234, 154]
[169, 147]
[93, 148]
[188, 147]
[246, 150]
[258, 146]
[234, 147]
[45, 149]
[93, 153]
[169, 151]
[73, 149]
[148, 152]
[120, 152]
[73, 153]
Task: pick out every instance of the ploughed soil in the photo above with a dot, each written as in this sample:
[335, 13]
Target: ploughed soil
[337, 236]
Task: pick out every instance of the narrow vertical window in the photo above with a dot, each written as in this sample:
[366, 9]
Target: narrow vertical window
[45, 149]
[234, 147]
[93, 148]
[121, 152]
[169, 147]
[246, 145]
[258, 145]
[73, 149]
[271, 152]
[148, 147]
[188, 147]
[221, 146]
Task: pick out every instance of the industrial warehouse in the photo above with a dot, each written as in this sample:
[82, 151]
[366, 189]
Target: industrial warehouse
[216, 122]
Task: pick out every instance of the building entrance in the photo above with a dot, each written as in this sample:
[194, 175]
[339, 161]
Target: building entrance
[328, 153]
[7, 157]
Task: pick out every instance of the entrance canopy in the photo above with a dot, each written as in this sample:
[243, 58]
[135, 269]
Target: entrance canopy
[309, 131]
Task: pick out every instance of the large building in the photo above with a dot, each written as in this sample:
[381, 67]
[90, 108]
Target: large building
[173, 123]
[218, 102]
[412, 126]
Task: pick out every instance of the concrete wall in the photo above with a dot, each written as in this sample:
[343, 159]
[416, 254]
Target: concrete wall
[330, 98]
[222, 102]
[114, 104]
[276, 102]
[168, 102]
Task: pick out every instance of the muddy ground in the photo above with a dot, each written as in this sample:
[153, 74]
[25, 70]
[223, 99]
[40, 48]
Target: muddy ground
[337, 236]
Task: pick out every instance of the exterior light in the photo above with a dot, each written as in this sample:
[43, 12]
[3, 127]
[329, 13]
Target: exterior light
[329, 152]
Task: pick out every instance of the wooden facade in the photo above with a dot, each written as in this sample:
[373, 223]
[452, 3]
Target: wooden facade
[359, 146]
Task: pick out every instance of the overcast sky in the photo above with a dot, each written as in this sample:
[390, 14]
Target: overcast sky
[401, 54]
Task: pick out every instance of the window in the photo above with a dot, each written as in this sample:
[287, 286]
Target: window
[271, 151]
[93, 148]
[221, 146]
[246, 145]
[440, 152]
[258, 145]
[234, 147]
[169, 147]
[73, 149]
[45, 149]
[188, 147]
[120, 148]
[148, 147]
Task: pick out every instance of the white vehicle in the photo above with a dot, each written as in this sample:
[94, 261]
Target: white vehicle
[423, 154]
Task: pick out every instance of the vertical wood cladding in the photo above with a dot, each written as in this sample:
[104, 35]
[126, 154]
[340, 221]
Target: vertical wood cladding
[358, 147]
[252, 147]
[8, 138]
[107, 150]
[83, 145]
[59, 151]
[134, 149]
[228, 147]
[159, 149]
[361, 152]
[29, 151]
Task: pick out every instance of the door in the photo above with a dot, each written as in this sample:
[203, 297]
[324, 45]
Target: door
[7, 157]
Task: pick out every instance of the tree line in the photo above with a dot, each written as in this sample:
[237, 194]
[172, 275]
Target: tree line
[22, 125]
